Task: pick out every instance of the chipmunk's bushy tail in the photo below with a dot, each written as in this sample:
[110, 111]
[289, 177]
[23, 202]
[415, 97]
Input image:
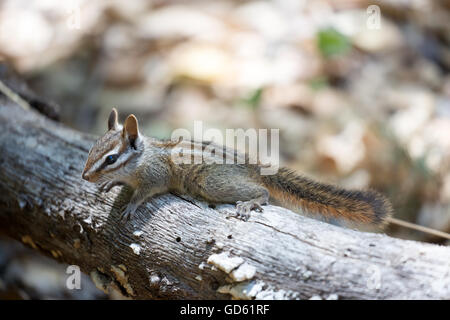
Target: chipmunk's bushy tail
[365, 206]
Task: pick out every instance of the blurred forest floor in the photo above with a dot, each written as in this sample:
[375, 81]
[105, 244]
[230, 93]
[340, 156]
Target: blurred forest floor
[357, 104]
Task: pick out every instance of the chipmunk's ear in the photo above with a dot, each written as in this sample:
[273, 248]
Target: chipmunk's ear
[112, 120]
[131, 129]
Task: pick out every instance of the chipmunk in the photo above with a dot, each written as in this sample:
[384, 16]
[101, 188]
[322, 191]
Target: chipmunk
[124, 156]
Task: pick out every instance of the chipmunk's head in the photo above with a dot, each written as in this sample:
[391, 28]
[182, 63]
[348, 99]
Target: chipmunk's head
[114, 154]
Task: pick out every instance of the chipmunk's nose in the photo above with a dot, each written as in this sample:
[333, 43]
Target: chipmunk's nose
[85, 176]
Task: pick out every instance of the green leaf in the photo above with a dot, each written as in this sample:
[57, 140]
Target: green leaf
[332, 43]
[255, 98]
[318, 83]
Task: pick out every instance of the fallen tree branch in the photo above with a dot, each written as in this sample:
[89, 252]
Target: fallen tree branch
[17, 90]
[180, 248]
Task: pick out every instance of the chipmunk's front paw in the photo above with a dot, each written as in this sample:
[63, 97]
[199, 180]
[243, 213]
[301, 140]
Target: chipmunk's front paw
[128, 212]
[106, 186]
[243, 208]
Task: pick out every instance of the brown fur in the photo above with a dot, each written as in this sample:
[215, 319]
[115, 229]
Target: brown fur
[102, 146]
[131, 128]
[112, 120]
[359, 206]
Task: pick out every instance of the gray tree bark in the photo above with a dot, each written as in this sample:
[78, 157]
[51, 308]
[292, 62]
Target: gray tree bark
[179, 247]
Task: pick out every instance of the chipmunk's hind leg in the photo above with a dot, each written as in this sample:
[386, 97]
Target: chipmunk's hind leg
[247, 195]
[243, 208]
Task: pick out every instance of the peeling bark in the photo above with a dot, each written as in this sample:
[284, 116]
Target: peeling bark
[179, 247]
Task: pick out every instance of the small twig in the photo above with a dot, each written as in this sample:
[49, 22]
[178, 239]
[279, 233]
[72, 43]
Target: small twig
[13, 96]
[417, 227]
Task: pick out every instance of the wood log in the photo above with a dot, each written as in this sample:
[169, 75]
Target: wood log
[180, 248]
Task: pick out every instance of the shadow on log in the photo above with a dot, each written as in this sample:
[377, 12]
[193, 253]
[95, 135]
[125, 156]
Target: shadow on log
[177, 248]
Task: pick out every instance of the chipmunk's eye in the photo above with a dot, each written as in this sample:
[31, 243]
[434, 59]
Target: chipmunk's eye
[111, 159]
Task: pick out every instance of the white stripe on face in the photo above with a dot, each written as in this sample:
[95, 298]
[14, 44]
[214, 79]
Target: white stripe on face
[102, 159]
[124, 156]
